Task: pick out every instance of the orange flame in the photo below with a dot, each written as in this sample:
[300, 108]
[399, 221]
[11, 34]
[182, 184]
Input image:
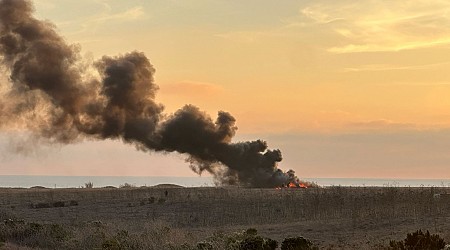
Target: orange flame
[294, 185]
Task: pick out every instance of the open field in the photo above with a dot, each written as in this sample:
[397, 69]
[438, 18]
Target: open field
[335, 217]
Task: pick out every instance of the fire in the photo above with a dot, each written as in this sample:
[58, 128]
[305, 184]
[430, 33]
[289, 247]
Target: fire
[293, 185]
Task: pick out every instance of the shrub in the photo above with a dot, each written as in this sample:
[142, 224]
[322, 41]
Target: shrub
[93, 239]
[252, 243]
[247, 239]
[58, 204]
[122, 240]
[54, 204]
[296, 243]
[35, 235]
[204, 246]
[270, 244]
[396, 245]
[42, 205]
[127, 185]
[110, 244]
[251, 231]
[419, 240]
[73, 203]
[88, 185]
[57, 232]
[13, 222]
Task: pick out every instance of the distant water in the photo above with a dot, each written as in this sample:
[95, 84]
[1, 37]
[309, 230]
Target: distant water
[360, 182]
[27, 181]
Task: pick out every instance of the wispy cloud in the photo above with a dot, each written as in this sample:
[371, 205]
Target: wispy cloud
[105, 14]
[320, 15]
[371, 26]
[389, 67]
[130, 14]
[389, 46]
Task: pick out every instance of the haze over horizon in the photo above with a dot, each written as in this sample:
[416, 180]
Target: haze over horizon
[344, 89]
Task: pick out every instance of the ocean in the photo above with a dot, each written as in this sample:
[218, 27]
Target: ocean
[27, 181]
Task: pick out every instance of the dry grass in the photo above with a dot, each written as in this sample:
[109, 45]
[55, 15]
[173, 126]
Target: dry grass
[340, 217]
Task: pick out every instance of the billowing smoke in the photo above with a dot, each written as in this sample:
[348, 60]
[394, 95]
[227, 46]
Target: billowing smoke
[54, 94]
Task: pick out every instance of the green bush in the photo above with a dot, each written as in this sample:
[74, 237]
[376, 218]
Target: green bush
[247, 239]
[252, 243]
[296, 243]
[97, 235]
[34, 235]
[57, 232]
[419, 240]
[110, 244]
[270, 244]
[258, 243]
[127, 185]
[251, 231]
[204, 246]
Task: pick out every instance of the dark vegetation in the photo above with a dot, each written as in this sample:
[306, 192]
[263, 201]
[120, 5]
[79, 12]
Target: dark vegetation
[96, 235]
[419, 240]
[54, 204]
[297, 243]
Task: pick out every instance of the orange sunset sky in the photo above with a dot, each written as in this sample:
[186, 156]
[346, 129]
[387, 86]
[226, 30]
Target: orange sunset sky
[342, 88]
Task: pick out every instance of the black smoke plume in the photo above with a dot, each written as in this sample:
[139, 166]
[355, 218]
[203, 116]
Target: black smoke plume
[51, 92]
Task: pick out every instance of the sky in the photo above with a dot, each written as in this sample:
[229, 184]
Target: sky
[356, 89]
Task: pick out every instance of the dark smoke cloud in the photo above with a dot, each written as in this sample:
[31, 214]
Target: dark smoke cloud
[130, 111]
[49, 87]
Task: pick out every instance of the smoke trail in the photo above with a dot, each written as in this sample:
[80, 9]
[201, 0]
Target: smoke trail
[51, 88]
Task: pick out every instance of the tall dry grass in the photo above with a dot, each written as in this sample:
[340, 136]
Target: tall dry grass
[205, 207]
[197, 211]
